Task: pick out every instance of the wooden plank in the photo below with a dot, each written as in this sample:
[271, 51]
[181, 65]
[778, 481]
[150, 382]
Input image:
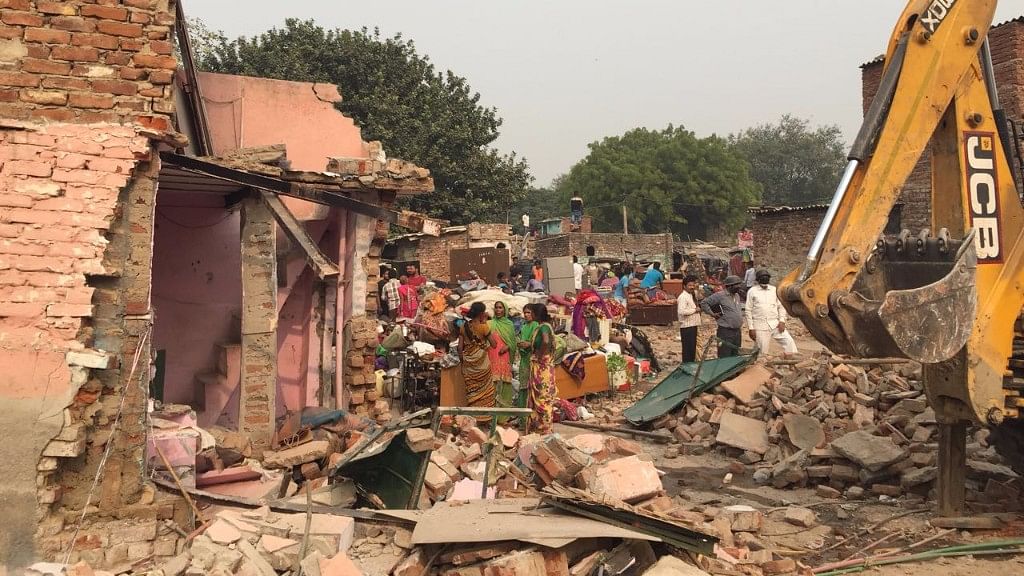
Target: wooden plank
[327, 331]
[969, 523]
[952, 468]
[318, 261]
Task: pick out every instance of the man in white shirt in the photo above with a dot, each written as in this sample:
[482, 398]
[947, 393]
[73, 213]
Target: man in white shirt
[766, 318]
[689, 319]
[577, 273]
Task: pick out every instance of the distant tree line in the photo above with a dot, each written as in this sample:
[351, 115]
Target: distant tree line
[667, 179]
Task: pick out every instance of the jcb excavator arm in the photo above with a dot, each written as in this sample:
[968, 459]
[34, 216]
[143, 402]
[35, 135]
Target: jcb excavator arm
[948, 297]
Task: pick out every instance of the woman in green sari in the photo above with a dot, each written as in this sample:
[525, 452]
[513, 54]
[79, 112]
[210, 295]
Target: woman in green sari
[504, 333]
[526, 333]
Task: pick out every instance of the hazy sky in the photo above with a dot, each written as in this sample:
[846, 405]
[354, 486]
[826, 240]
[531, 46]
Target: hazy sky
[564, 73]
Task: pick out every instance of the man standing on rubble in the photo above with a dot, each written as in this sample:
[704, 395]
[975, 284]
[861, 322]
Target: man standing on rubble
[725, 309]
[766, 318]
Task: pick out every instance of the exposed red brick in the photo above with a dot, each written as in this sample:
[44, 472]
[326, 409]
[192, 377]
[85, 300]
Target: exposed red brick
[15, 18]
[117, 58]
[161, 76]
[107, 12]
[155, 92]
[141, 18]
[40, 66]
[147, 4]
[111, 165]
[64, 83]
[132, 44]
[163, 18]
[9, 95]
[17, 201]
[155, 61]
[54, 114]
[129, 73]
[133, 105]
[9, 32]
[75, 53]
[154, 122]
[98, 40]
[93, 70]
[37, 50]
[27, 168]
[60, 205]
[161, 47]
[119, 28]
[81, 100]
[16, 4]
[73, 23]
[50, 98]
[74, 310]
[50, 7]
[159, 33]
[48, 35]
[21, 309]
[119, 87]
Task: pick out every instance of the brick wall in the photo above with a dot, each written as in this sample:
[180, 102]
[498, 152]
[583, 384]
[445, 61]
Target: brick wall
[1007, 44]
[83, 85]
[433, 252]
[781, 239]
[656, 246]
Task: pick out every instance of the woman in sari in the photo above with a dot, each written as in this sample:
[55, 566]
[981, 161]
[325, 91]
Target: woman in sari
[474, 345]
[409, 299]
[542, 392]
[526, 333]
[503, 331]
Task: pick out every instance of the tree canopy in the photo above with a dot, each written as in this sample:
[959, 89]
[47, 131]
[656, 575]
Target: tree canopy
[669, 180]
[793, 163]
[396, 96]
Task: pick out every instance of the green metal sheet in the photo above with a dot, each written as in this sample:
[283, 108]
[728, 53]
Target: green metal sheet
[683, 383]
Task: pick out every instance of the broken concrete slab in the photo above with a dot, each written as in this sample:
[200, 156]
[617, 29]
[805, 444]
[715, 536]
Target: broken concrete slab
[339, 565]
[744, 387]
[871, 452]
[744, 433]
[419, 439]
[627, 479]
[803, 517]
[804, 432]
[223, 533]
[296, 455]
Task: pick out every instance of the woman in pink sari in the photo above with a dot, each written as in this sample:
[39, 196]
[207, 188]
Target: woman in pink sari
[409, 299]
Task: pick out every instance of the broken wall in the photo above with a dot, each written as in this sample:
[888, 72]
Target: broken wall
[85, 87]
[651, 246]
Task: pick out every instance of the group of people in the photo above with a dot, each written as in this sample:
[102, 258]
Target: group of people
[399, 295]
[495, 357]
[755, 304]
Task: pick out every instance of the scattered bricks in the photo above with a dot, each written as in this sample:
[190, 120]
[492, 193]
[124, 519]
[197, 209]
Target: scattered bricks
[415, 564]
[922, 434]
[779, 567]
[791, 470]
[559, 461]
[827, 492]
[803, 517]
[437, 481]
[296, 455]
[442, 463]
[887, 490]
[509, 436]
[744, 518]
[419, 439]
[281, 553]
[917, 476]
[871, 452]
[844, 473]
[745, 386]
[744, 433]
[223, 533]
[864, 399]
[337, 565]
[623, 446]
[475, 435]
[628, 479]
[823, 471]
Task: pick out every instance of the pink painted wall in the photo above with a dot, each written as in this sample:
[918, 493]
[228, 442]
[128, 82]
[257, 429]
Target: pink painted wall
[197, 286]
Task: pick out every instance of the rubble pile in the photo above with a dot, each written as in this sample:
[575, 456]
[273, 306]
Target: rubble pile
[837, 426]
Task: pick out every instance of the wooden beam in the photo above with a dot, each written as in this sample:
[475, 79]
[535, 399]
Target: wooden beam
[318, 261]
[327, 195]
[327, 331]
[952, 468]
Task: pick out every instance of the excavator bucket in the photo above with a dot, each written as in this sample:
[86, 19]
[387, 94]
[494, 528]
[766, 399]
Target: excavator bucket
[932, 323]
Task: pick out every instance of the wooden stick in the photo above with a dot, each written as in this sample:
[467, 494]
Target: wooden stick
[866, 561]
[639, 433]
[177, 481]
[881, 540]
[874, 527]
[847, 361]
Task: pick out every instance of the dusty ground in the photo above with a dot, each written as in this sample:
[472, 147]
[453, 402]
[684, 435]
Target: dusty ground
[697, 481]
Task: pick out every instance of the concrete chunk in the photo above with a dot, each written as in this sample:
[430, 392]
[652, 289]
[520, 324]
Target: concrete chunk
[745, 386]
[296, 455]
[672, 566]
[628, 479]
[804, 432]
[871, 452]
[801, 517]
[744, 433]
[419, 439]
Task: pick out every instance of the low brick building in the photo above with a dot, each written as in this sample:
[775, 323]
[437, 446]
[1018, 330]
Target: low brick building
[433, 252]
[605, 245]
[117, 242]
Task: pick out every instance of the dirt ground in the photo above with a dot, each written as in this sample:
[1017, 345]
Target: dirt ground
[697, 481]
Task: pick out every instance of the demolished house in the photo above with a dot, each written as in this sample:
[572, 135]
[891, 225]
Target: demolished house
[167, 237]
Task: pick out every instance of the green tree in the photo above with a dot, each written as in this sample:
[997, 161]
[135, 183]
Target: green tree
[669, 180]
[396, 96]
[541, 204]
[794, 163]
